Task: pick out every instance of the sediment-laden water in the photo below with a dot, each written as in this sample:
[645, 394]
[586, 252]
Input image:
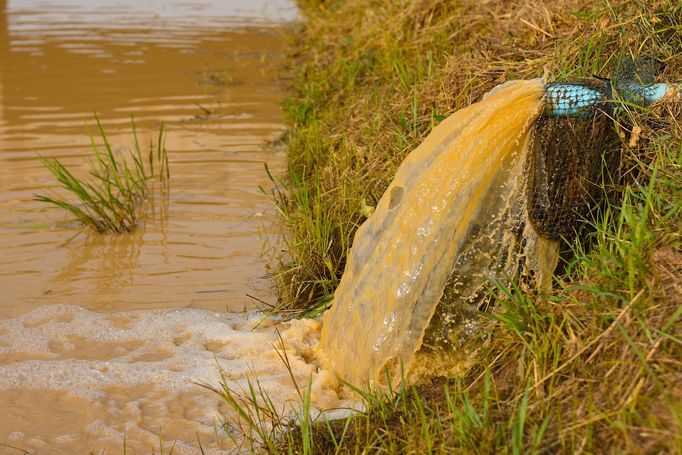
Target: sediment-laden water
[209, 70]
[455, 211]
[72, 380]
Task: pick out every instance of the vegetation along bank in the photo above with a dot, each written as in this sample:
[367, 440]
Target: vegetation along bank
[594, 367]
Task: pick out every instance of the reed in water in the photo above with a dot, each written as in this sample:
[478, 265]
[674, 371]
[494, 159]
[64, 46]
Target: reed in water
[111, 200]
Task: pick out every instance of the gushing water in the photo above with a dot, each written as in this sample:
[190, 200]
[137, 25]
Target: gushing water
[453, 216]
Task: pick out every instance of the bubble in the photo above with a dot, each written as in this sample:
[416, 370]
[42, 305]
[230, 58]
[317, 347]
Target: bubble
[77, 380]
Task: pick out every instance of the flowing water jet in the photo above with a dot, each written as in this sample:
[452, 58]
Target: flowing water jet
[455, 210]
[481, 198]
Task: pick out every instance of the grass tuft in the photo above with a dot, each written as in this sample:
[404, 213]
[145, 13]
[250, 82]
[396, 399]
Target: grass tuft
[112, 199]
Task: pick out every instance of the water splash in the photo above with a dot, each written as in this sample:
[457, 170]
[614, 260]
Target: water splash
[453, 216]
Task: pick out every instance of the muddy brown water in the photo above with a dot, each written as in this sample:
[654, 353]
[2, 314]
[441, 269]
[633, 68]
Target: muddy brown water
[206, 69]
[103, 338]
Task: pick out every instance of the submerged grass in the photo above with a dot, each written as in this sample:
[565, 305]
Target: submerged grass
[111, 200]
[594, 367]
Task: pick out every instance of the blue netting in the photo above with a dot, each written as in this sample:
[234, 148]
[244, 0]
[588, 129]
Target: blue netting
[573, 99]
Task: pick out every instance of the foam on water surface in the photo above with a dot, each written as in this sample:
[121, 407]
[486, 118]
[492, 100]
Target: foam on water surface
[72, 380]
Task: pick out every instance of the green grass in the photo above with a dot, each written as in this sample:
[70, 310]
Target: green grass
[111, 200]
[258, 424]
[371, 79]
[592, 368]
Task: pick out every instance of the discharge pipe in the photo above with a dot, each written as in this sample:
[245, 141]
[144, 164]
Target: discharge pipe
[579, 99]
[575, 152]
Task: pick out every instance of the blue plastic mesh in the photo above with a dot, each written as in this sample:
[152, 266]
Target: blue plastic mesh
[572, 99]
[580, 99]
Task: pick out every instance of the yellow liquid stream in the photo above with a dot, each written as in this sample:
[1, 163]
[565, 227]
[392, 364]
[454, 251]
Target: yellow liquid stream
[454, 209]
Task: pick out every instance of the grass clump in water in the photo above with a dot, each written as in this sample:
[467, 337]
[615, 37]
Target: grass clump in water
[112, 199]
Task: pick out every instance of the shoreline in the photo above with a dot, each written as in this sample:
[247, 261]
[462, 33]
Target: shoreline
[564, 374]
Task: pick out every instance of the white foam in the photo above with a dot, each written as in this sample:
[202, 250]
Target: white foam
[136, 373]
